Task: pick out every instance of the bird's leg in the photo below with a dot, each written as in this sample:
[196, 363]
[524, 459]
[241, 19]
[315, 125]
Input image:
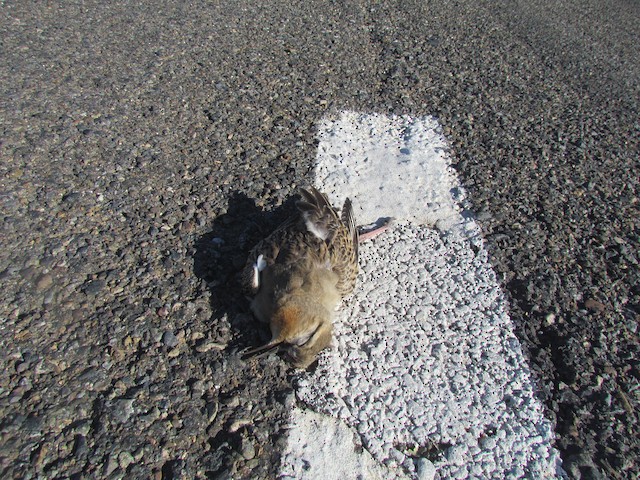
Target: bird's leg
[367, 232]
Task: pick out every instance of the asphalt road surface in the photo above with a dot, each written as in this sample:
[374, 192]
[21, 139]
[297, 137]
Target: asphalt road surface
[146, 147]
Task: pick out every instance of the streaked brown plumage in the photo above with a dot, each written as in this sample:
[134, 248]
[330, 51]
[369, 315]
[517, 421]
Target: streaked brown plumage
[298, 275]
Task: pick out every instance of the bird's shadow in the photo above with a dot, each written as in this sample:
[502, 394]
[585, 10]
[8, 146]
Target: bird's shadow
[220, 256]
[242, 386]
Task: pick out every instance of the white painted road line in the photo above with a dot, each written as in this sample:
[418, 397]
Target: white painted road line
[426, 373]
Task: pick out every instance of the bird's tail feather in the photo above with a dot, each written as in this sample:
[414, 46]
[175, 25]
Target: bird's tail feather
[318, 214]
[349, 221]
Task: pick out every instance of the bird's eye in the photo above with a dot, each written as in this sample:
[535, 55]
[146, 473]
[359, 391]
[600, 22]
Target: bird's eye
[302, 341]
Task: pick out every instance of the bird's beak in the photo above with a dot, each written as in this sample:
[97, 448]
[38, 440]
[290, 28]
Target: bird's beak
[260, 351]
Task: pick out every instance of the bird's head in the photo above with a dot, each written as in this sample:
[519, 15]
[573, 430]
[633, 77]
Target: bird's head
[305, 329]
[302, 330]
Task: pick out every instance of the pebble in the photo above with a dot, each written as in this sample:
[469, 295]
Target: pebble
[71, 198]
[169, 339]
[39, 455]
[174, 352]
[210, 345]
[594, 305]
[122, 410]
[15, 396]
[21, 367]
[150, 417]
[488, 443]
[212, 411]
[80, 446]
[94, 287]
[110, 465]
[49, 297]
[44, 282]
[425, 469]
[247, 449]
[82, 427]
[125, 459]
[238, 424]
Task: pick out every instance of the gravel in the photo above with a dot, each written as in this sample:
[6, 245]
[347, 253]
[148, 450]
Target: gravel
[145, 148]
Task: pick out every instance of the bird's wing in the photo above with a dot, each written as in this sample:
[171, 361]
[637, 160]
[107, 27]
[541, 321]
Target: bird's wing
[263, 255]
[317, 236]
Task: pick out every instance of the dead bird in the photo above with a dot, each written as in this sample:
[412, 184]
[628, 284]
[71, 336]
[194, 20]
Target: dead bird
[299, 274]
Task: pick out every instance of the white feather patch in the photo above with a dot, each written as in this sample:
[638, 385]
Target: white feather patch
[259, 266]
[321, 233]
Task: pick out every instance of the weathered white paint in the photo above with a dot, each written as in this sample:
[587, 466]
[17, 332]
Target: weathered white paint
[426, 368]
